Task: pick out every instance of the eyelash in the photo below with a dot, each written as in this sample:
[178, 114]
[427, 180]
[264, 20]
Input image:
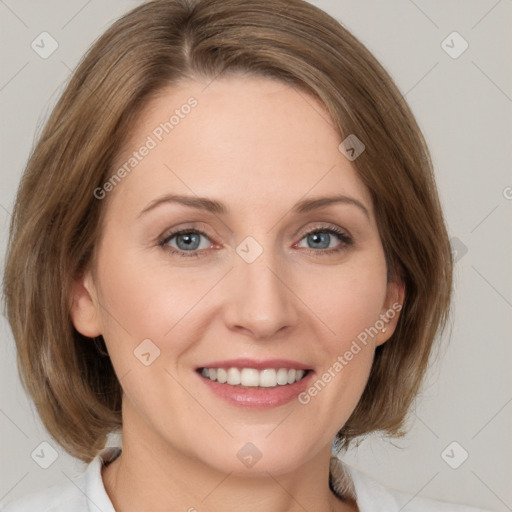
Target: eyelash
[345, 240]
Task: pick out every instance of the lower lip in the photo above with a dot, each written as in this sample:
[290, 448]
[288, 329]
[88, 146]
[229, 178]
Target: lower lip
[258, 398]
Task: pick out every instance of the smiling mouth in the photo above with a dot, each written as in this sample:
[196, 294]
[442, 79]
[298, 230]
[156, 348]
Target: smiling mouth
[253, 378]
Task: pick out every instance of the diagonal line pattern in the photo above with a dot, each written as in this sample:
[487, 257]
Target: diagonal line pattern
[13, 13]
[286, 491]
[402, 98]
[485, 218]
[492, 418]
[495, 289]
[425, 425]
[211, 81]
[199, 403]
[424, 13]
[84, 493]
[491, 490]
[14, 76]
[76, 14]
[421, 79]
[416, 494]
[14, 423]
[17, 483]
[6, 210]
[280, 423]
[124, 375]
[114, 318]
[486, 14]
[491, 80]
[217, 486]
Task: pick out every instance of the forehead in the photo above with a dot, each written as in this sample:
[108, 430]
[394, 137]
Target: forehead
[251, 142]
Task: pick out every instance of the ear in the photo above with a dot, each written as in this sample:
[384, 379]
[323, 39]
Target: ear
[84, 306]
[390, 313]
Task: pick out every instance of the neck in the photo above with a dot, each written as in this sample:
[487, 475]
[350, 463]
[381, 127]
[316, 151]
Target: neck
[152, 475]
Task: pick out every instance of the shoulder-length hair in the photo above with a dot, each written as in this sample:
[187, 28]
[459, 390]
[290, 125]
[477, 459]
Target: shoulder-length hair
[57, 217]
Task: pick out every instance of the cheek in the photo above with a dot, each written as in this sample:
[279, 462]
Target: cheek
[349, 299]
[141, 300]
[348, 303]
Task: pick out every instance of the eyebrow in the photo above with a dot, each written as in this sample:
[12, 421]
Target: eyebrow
[218, 208]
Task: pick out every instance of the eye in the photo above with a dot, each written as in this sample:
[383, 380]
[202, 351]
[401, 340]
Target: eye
[327, 240]
[186, 242]
[191, 242]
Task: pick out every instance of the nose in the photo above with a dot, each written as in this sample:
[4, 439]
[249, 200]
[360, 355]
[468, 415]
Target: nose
[261, 302]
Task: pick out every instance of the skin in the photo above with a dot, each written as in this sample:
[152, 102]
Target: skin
[259, 147]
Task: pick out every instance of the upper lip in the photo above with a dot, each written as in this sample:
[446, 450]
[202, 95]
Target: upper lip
[258, 365]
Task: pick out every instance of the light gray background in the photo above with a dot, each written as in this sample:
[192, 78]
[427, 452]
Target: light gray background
[463, 106]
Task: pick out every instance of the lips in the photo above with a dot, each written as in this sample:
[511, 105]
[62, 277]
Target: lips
[253, 363]
[251, 377]
[250, 383]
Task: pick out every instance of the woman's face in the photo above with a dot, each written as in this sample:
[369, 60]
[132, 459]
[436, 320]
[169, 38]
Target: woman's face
[247, 287]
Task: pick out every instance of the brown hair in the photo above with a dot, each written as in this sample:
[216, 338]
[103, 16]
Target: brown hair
[57, 219]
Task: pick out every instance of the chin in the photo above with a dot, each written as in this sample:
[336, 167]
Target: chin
[258, 457]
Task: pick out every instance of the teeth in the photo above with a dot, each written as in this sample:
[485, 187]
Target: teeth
[234, 376]
[222, 375]
[250, 377]
[268, 378]
[282, 376]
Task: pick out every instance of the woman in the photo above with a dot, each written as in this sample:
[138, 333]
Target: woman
[228, 245]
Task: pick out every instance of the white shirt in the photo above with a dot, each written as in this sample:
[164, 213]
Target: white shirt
[88, 494]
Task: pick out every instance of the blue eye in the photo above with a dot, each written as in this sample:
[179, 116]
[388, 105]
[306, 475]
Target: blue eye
[188, 243]
[322, 239]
